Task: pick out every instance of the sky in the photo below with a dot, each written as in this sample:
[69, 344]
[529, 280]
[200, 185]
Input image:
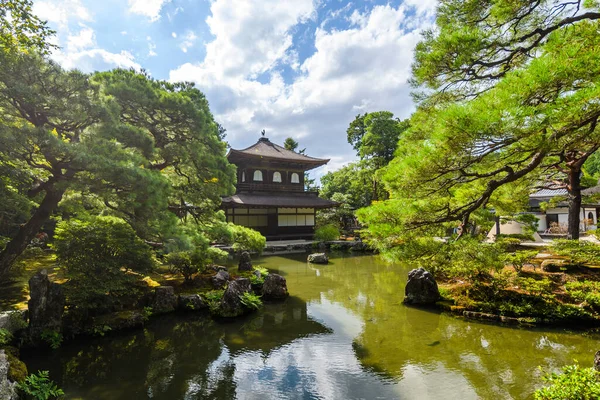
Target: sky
[299, 68]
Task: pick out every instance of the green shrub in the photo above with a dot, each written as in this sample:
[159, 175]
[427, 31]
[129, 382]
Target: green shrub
[40, 387]
[521, 237]
[213, 298]
[327, 233]
[98, 255]
[574, 383]
[519, 259]
[588, 291]
[53, 338]
[251, 301]
[246, 239]
[5, 337]
[537, 287]
[583, 253]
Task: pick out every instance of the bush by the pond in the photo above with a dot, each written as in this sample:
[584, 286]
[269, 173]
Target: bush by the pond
[574, 383]
[188, 263]
[99, 255]
[251, 301]
[246, 239]
[40, 387]
[327, 233]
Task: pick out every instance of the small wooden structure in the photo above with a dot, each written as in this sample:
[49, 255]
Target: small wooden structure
[270, 195]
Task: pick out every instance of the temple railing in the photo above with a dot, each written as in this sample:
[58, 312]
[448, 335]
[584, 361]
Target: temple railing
[270, 187]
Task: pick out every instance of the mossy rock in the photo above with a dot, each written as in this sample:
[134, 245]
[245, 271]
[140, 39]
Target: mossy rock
[17, 370]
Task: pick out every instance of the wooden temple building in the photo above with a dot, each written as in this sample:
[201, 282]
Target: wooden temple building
[270, 195]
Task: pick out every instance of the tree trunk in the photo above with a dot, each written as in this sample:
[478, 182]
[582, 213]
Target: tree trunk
[574, 198]
[27, 232]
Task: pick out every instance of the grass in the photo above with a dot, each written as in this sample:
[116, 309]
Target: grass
[14, 290]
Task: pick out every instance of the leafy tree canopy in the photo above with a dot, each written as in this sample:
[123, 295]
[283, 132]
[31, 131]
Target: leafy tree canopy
[20, 30]
[116, 142]
[462, 156]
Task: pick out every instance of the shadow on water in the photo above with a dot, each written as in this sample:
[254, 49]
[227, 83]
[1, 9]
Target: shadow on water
[343, 334]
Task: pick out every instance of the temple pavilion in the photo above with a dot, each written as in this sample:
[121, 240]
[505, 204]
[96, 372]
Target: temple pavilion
[270, 195]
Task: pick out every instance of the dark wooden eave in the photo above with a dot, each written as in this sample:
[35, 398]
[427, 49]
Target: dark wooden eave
[265, 150]
[304, 200]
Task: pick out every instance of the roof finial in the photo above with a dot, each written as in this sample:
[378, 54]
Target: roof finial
[263, 133]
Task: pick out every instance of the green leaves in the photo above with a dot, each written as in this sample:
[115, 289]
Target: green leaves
[574, 383]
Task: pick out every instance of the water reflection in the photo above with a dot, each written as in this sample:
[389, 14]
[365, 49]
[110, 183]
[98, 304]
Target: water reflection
[344, 334]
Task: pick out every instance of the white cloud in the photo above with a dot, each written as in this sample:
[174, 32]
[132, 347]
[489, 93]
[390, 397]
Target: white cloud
[61, 12]
[84, 39]
[174, 35]
[147, 8]
[96, 59]
[188, 41]
[151, 47]
[82, 52]
[363, 68]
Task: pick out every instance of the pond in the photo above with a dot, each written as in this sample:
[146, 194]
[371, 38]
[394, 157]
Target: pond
[343, 334]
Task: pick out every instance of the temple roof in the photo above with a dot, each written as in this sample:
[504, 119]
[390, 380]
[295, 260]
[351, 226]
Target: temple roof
[275, 200]
[265, 149]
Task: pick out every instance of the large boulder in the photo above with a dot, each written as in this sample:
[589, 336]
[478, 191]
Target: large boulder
[597, 361]
[245, 263]
[274, 287]
[231, 303]
[421, 288]
[191, 302]
[220, 279]
[318, 258]
[164, 300]
[8, 389]
[46, 305]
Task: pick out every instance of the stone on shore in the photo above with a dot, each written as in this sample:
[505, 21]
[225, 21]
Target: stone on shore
[318, 258]
[46, 306]
[231, 303]
[421, 288]
[164, 300]
[220, 279]
[191, 302]
[274, 287]
[245, 263]
[8, 388]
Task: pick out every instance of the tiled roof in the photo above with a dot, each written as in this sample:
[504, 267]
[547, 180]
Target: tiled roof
[548, 193]
[299, 200]
[267, 149]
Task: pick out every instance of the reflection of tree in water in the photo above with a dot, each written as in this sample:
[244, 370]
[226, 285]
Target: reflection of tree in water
[175, 357]
[497, 361]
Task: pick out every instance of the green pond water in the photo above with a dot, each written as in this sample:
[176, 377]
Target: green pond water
[343, 334]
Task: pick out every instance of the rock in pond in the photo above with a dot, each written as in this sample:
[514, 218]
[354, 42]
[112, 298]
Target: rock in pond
[118, 321]
[231, 303]
[274, 287]
[318, 258]
[245, 263]
[164, 300]
[191, 302]
[421, 288]
[8, 388]
[46, 305]
[220, 279]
